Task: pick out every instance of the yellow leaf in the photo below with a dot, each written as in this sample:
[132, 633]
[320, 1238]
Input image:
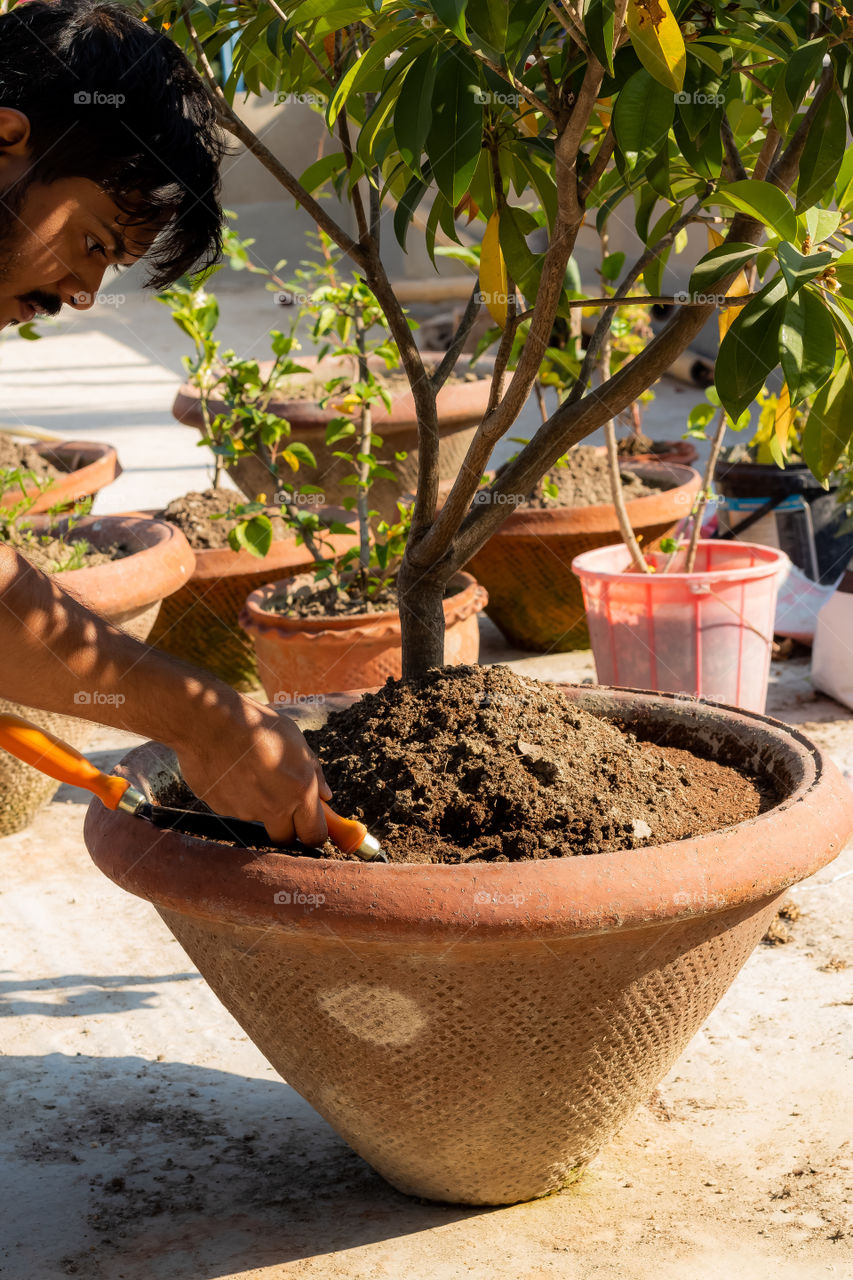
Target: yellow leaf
[527, 120]
[291, 460]
[493, 277]
[739, 289]
[784, 418]
[658, 42]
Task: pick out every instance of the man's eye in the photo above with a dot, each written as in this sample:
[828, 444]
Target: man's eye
[95, 246]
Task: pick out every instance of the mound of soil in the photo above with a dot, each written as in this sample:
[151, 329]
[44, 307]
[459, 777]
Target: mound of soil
[585, 482]
[480, 764]
[16, 453]
[194, 515]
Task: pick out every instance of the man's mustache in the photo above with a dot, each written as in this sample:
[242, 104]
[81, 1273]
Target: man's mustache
[49, 303]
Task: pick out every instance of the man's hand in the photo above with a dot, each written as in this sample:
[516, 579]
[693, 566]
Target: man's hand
[255, 764]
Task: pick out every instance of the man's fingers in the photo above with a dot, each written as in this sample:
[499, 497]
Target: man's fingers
[325, 789]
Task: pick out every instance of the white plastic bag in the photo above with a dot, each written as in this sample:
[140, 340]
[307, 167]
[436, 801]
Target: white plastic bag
[832, 652]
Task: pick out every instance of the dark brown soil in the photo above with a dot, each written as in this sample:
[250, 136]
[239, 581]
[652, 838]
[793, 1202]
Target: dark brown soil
[480, 764]
[638, 446]
[585, 482]
[16, 453]
[193, 513]
[54, 555]
[305, 598]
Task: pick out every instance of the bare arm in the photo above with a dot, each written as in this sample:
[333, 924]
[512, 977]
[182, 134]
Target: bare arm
[242, 758]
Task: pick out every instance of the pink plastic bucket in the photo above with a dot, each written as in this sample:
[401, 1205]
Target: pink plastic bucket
[708, 633]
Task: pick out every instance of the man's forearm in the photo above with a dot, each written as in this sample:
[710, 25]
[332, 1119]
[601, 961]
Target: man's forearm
[59, 656]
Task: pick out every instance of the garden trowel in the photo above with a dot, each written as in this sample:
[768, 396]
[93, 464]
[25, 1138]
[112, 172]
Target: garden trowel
[56, 758]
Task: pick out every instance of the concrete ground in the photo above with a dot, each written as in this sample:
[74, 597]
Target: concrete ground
[145, 1138]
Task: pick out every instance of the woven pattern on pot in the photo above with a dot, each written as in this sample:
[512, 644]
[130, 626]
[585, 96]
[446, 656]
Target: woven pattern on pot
[483, 1074]
[199, 624]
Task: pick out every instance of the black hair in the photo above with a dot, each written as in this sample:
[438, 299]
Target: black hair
[112, 100]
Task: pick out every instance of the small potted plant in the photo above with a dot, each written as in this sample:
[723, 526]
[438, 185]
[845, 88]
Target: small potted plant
[339, 628]
[291, 393]
[77, 469]
[120, 566]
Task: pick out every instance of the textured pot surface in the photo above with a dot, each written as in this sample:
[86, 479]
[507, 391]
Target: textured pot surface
[534, 597]
[86, 468]
[200, 621]
[128, 593]
[461, 405]
[310, 656]
[477, 1032]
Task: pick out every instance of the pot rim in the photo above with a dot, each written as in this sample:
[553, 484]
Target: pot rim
[537, 901]
[162, 564]
[100, 469]
[651, 509]
[774, 561]
[470, 598]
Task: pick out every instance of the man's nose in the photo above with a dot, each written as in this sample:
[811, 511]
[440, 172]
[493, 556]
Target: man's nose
[81, 289]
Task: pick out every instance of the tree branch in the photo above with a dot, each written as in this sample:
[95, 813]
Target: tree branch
[454, 351]
[598, 165]
[732, 154]
[784, 171]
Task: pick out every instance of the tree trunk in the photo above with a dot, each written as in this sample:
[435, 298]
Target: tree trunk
[421, 617]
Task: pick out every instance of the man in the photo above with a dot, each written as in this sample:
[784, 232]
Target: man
[108, 153]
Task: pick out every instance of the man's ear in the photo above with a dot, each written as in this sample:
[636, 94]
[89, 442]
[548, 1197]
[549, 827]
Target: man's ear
[14, 132]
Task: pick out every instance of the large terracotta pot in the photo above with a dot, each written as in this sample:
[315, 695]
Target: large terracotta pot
[303, 657]
[87, 468]
[534, 597]
[478, 1031]
[460, 408]
[127, 592]
[200, 621]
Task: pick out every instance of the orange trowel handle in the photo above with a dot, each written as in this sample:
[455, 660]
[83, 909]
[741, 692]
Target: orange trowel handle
[52, 756]
[346, 833]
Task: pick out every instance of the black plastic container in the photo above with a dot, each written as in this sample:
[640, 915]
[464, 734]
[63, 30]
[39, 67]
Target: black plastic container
[810, 535]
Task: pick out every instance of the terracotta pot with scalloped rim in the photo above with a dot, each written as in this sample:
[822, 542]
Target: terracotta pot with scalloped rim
[477, 1031]
[303, 657]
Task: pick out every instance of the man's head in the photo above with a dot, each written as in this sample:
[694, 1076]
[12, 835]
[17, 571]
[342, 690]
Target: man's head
[108, 151]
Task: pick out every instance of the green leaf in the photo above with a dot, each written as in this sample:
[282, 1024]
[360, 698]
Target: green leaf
[413, 112]
[360, 71]
[844, 270]
[830, 424]
[822, 223]
[452, 14]
[822, 153]
[254, 536]
[750, 351]
[524, 266]
[642, 118]
[322, 170]
[489, 21]
[456, 131]
[718, 263]
[806, 345]
[302, 453]
[407, 205]
[598, 21]
[798, 268]
[760, 200]
[803, 69]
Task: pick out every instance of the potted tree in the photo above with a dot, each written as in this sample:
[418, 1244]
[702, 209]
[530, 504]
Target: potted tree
[121, 566]
[578, 979]
[292, 392]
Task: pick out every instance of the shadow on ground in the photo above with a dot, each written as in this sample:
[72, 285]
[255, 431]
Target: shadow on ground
[121, 1167]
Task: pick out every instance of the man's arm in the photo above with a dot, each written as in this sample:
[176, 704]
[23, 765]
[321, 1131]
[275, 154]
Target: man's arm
[240, 757]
